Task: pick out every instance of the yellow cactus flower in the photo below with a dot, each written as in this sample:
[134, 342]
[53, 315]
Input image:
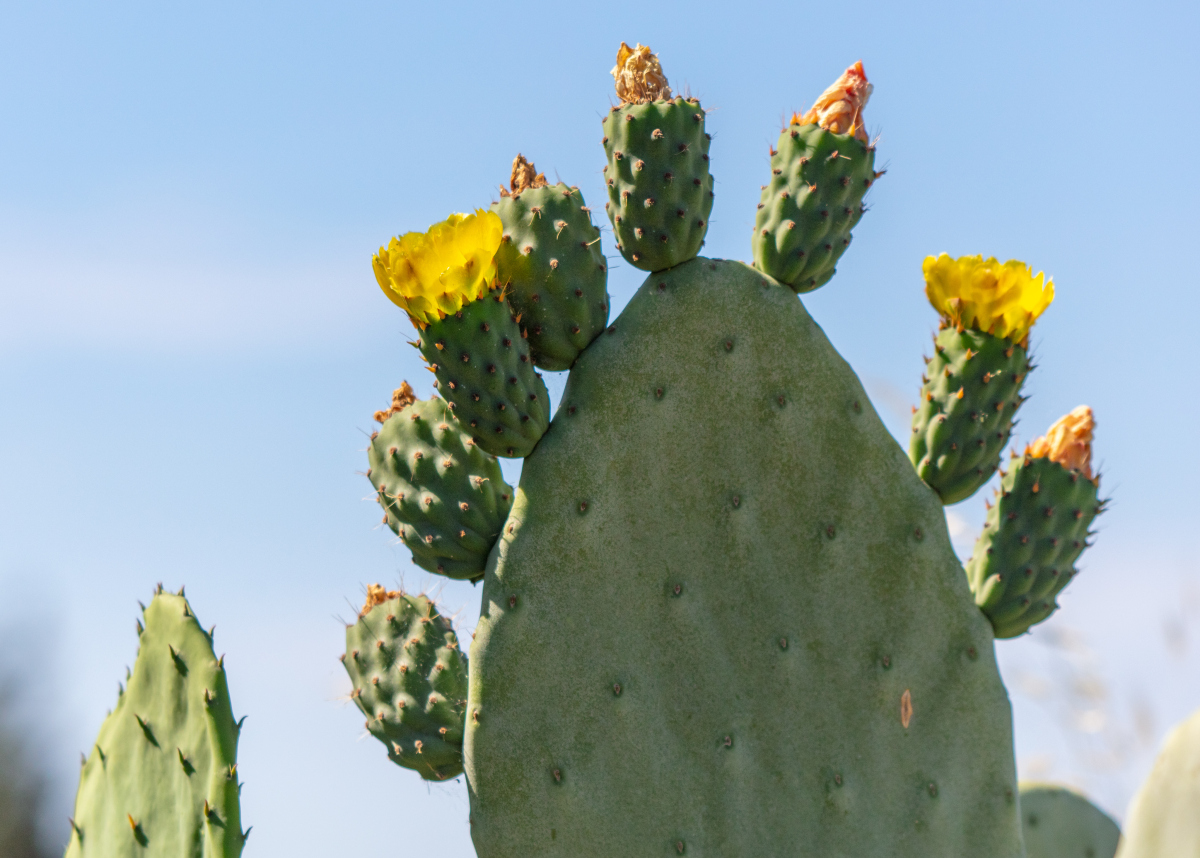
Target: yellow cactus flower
[1001, 299]
[839, 108]
[639, 76]
[432, 274]
[1068, 442]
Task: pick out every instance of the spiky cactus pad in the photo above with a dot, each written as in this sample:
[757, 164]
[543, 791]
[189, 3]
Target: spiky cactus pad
[725, 618]
[410, 680]
[1060, 823]
[162, 777]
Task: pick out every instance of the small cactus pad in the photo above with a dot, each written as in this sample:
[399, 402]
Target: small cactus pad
[1162, 821]
[440, 493]
[970, 394]
[660, 192]
[162, 776]
[484, 371]
[553, 269]
[1060, 823]
[410, 680]
[1033, 534]
[813, 200]
[725, 618]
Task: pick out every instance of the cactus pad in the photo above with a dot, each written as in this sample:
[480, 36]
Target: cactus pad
[725, 618]
[660, 191]
[970, 395]
[1033, 534]
[814, 199]
[441, 494]
[484, 371]
[552, 265]
[162, 776]
[1060, 823]
[410, 680]
[1162, 821]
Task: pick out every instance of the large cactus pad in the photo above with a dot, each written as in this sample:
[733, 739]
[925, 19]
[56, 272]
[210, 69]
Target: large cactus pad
[724, 618]
[1163, 821]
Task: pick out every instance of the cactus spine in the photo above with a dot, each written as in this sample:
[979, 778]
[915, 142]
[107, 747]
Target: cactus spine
[162, 776]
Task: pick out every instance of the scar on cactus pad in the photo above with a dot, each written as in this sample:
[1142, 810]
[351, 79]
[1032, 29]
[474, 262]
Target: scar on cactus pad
[971, 388]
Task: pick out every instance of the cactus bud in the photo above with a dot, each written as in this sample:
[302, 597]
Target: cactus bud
[638, 75]
[839, 108]
[1068, 442]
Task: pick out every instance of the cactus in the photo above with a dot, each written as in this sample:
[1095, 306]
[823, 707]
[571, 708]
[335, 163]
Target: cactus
[820, 172]
[442, 495]
[1037, 528]
[972, 384]
[660, 191]
[551, 264]
[410, 680]
[1058, 822]
[1162, 821]
[162, 776]
[445, 279]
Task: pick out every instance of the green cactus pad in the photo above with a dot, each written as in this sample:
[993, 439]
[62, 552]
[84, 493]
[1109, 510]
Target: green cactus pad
[814, 199]
[1034, 533]
[162, 776]
[660, 192]
[1163, 821]
[725, 618]
[484, 371]
[554, 270]
[410, 680]
[1060, 823]
[970, 394]
[442, 495]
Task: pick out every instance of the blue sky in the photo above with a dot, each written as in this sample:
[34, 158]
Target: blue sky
[192, 344]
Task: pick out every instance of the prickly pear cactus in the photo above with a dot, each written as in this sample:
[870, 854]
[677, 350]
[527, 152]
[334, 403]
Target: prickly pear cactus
[443, 496]
[410, 680]
[1058, 822]
[723, 616]
[1162, 821]
[726, 612]
[162, 776]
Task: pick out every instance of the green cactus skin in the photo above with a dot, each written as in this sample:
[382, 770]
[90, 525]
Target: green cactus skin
[956, 441]
[660, 192]
[484, 371]
[442, 495]
[162, 776]
[554, 269]
[814, 199]
[1060, 823]
[1034, 533]
[1162, 821]
[410, 680]
[719, 579]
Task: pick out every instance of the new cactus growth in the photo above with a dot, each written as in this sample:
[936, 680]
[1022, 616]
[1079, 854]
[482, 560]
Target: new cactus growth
[972, 385]
[162, 776]
[410, 680]
[660, 192]
[551, 265]
[820, 171]
[1058, 822]
[1037, 528]
[1162, 821]
[445, 279]
[441, 494]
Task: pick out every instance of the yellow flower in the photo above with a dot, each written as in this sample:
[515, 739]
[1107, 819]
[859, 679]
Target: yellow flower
[639, 76]
[432, 274]
[1002, 300]
[1069, 442]
[839, 108]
